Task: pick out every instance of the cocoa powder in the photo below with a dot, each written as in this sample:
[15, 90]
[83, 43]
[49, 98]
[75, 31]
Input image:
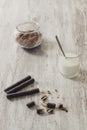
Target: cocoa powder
[28, 39]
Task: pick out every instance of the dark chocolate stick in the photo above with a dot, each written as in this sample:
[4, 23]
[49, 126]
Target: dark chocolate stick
[16, 84]
[21, 86]
[24, 93]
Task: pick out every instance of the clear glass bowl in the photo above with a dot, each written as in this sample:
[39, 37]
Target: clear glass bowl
[28, 35]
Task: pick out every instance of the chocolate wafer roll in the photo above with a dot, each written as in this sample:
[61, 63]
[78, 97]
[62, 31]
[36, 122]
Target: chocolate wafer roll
[21, 86]
[24, 93]
[16, 84]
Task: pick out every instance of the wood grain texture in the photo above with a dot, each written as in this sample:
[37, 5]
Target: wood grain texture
[68, 19]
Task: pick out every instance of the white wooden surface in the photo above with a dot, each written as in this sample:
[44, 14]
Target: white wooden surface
[68, 19]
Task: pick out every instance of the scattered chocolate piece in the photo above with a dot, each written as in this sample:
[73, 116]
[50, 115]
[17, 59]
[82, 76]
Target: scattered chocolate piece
[61, 107]
[31, 104]
[44, 98]
[40, 111]
[56, 90]
[44, 104]
[51, 105]
[46, 92]
[50, 111]
[49, 92]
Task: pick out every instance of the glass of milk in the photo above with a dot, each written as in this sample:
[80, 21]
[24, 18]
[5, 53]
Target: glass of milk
[69, 65]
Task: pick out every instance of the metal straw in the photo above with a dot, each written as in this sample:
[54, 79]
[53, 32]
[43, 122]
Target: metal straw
[60, 46]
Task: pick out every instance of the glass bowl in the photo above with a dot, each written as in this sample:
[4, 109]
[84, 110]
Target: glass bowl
[28, 35]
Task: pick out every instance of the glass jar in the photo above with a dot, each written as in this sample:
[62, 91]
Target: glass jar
[28, 35]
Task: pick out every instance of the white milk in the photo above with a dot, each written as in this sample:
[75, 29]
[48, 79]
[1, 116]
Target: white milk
[69, 66]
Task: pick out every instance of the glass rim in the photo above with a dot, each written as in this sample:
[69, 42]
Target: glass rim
[29, 22]
[73, 56]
